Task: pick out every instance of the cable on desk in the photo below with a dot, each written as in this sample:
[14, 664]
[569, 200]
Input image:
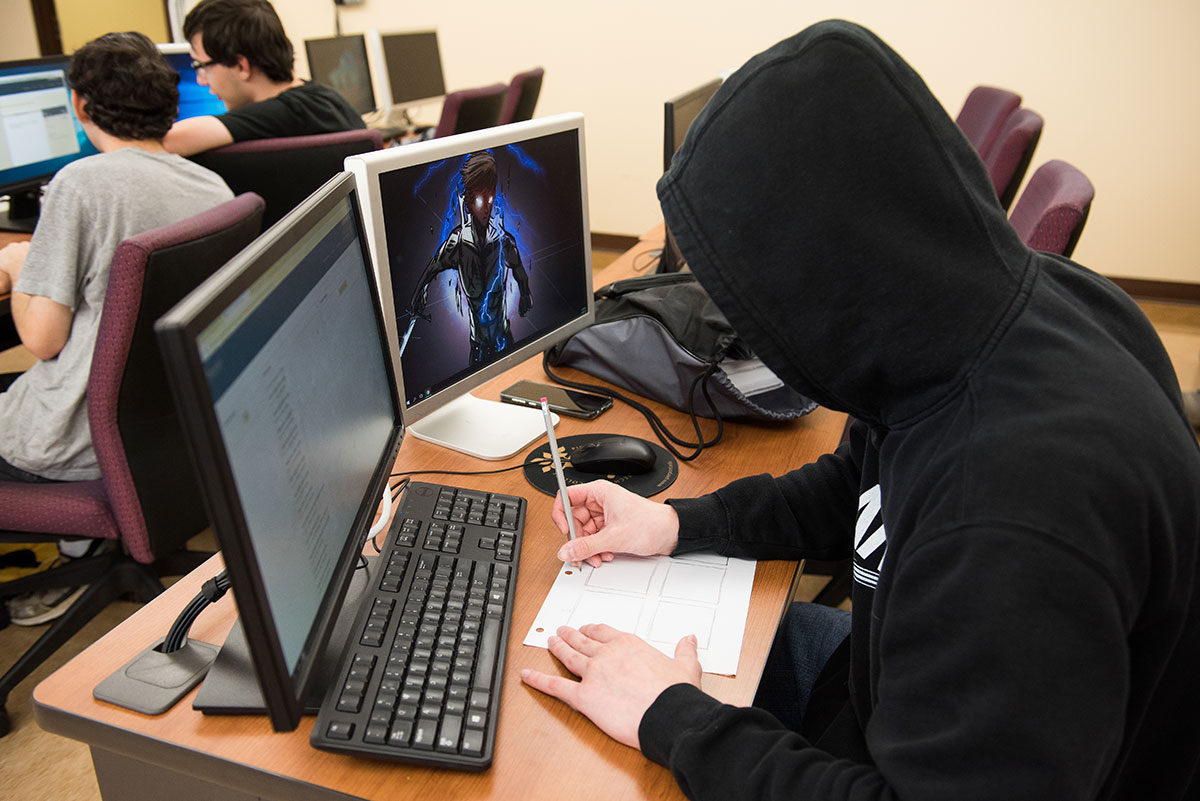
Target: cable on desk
[656, 424]
[652, 260]
[210, 592]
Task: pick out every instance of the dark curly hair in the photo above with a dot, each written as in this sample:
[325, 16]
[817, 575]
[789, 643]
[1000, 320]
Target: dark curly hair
[128, 89]
[250, 28]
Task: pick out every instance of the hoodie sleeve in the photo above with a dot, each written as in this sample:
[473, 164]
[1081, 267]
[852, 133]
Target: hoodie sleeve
[805, 514]
[995, 684]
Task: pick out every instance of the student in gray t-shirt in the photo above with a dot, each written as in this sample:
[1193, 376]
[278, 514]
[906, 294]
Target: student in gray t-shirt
[125, 96]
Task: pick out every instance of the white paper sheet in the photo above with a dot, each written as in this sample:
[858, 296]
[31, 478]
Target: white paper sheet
[661, 599]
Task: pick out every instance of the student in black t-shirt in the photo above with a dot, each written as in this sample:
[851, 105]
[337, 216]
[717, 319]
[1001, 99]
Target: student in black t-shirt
[240, 51]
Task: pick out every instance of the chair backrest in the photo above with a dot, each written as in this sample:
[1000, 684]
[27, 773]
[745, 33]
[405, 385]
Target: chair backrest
[1012, 152]
[522, 95]
[1051, 212]
[983, 114]
[471, 110]
[136, 432]
[286, 170]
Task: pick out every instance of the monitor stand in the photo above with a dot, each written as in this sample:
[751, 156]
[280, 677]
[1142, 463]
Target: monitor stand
[22, 212]
[231, 686]
[481, 428]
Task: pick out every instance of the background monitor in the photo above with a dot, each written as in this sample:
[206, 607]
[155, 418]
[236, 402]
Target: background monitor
[340, 62]
[413, 65]
[286, 383]
[680, 112]
[472, 327]
[39, 134]
[194, 100]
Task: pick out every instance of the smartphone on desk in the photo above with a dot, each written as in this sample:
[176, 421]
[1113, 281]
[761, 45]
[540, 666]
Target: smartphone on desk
[564, 401]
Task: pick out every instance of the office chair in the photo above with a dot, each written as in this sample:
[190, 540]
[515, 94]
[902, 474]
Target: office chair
[146, 499]
[983, 114]
[286, 170]
[1051, 212]
[1012, 151]
[522, 96]
[471, 110]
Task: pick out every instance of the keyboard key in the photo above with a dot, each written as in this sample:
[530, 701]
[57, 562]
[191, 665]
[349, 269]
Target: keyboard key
[472, 742]
[448, 735]
[340, 730]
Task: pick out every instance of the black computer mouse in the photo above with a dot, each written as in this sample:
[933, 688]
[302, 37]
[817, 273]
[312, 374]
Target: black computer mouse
[615, 455]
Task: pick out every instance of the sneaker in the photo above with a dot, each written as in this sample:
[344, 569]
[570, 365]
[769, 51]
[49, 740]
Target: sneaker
[42, 606]
[36, 608]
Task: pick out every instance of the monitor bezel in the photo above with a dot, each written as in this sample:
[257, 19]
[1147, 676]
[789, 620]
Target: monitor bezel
[706, 91]
[283, 692]
[361, 38]
[368, 167]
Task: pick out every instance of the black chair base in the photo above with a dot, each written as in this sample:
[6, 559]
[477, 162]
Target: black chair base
[109, 577]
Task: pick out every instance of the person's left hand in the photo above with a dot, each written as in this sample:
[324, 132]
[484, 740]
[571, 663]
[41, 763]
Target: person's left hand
[12, 258]
[621, 675]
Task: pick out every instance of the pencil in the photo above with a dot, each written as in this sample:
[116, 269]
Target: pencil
[558, 472]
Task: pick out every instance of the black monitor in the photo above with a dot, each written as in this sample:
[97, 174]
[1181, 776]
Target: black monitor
[477, 320]
[39, 134]
[340, 62]
[285, 380]
[194, 100]
[679, 114]
[413, 65]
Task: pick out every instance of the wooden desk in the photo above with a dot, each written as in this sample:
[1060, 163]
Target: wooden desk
[543, 748]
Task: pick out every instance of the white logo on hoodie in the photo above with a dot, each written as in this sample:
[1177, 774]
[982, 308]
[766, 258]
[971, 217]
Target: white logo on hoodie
[870, 539]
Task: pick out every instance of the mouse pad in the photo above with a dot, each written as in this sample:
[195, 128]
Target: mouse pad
[539, 469]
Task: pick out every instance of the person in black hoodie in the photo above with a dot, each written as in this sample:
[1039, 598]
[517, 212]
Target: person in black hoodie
[1029, 624]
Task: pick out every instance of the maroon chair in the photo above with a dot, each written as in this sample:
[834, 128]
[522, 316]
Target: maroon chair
[147, 498]
[1051, 212]
[1012, 151]
[522, 95]
[286, 170]
[983, 115]
[471, 110]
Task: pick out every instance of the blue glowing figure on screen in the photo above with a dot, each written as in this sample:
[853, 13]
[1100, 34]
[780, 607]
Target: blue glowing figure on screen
[483, 253]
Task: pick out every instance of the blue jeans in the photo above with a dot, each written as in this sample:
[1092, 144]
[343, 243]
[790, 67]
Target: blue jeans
[806, 638]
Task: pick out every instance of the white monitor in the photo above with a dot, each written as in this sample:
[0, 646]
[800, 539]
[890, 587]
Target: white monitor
[468, 294]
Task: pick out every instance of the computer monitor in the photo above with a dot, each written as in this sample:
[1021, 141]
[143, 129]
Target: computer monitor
[340, 62]
[286, 382]
[413, 66]
[194, 100]
[39, 134]
[485, 307]
[679, 114]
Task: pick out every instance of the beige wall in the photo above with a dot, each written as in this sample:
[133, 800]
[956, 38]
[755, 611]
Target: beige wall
[80, 21]
[18, 36]
[1113, 79]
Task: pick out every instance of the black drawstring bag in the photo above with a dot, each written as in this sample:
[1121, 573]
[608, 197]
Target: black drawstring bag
[662, 337]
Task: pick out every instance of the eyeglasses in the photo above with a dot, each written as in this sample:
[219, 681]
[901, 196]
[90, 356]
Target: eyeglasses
[202, 65]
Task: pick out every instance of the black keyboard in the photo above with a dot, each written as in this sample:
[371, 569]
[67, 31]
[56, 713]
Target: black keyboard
[421, 675]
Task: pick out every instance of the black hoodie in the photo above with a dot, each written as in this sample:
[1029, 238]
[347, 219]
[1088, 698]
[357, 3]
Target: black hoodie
[1020, 493]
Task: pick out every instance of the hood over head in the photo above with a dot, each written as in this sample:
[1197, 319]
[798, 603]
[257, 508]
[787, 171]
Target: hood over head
[845, 226]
